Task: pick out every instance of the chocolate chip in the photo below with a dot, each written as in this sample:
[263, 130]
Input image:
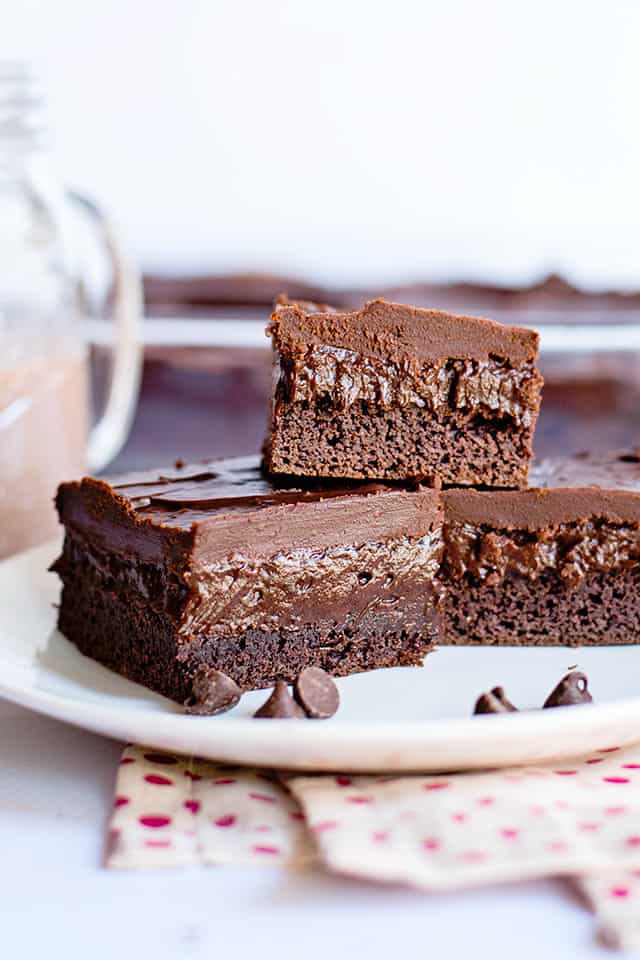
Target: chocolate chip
[211, 692]
[280, 705]
[572, 689]
[316, 693]
[494, 702]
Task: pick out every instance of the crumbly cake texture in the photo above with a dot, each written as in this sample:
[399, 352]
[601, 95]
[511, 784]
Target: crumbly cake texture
[556, 564]
[394, 392]
[212, 564]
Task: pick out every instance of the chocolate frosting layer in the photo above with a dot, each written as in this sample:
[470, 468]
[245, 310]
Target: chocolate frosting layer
[212, 510]
[398, 333]
[563, 490]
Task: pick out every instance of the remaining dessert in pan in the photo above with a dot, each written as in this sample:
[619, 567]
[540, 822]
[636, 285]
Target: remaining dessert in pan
[396, 392]
[212, 566]
[555, 564]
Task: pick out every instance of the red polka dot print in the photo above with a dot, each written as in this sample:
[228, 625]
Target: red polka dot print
[324, 825]
[426, 829]
[157, 780]
[620, 891]
[154, 821]
[227, 820]
[509, 833]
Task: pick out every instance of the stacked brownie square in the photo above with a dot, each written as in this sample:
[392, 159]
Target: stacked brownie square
[391, 512]
[391, 392]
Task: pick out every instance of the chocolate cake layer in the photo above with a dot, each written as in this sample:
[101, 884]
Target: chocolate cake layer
[210, 563]
[556, 564]
[396, 392]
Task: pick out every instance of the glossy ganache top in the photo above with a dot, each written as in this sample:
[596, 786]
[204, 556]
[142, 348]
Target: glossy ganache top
[188, 493]
[217, 507]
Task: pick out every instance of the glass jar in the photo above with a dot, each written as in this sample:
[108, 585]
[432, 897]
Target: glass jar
[59, 269]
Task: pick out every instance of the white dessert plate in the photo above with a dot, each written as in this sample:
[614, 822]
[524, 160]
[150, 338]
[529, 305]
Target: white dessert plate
[405, 719]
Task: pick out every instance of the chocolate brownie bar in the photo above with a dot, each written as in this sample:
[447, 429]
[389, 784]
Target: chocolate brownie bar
[212, 564]
[556, 564]
[395, 392]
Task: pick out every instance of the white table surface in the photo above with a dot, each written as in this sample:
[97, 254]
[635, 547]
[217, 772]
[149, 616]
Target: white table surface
[56, 900]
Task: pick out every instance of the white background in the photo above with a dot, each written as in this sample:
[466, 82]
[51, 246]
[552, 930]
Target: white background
[352, 139]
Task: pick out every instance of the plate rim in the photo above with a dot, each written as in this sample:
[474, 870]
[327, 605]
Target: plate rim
[221, 737]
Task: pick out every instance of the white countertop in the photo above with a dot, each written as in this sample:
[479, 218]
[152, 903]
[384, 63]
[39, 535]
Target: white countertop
[56, 900]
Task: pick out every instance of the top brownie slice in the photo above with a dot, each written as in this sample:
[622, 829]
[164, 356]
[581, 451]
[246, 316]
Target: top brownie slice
[396, 392]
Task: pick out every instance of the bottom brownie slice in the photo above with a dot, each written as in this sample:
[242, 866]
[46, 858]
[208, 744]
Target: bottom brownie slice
[556, 564]
[213, 564]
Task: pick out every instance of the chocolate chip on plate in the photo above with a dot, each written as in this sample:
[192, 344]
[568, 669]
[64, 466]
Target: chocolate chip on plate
[212, 692]
[280, 705]
[572, 689]
[316, 693]
[495, 701]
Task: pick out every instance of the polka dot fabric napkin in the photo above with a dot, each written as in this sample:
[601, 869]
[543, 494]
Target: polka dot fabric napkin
[580, 818]
[172, 810]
